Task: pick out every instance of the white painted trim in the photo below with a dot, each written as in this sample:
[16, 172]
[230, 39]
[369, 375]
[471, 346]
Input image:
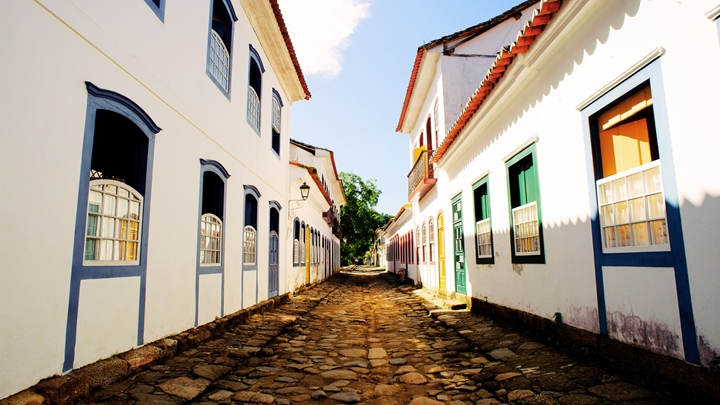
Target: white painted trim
[480, 177]
[520, 148]
[714, 13]
[650, 57]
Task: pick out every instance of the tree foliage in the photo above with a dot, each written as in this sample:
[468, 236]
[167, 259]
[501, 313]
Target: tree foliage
[358, 218]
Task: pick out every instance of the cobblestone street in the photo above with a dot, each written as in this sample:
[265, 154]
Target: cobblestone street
[363, 339]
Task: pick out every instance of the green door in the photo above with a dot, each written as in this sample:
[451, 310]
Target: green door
[459, 245]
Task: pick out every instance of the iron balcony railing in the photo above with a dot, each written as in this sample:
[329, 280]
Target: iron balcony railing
[422, 170]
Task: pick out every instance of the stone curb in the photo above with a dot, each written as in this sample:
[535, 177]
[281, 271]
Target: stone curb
[578, 341]
[64, 389]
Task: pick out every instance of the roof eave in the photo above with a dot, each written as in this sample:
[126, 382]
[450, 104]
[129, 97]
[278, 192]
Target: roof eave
[269, 26]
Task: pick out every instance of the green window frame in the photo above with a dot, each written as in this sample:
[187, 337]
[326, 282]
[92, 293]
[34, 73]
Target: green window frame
[484, 247]
[526, 230]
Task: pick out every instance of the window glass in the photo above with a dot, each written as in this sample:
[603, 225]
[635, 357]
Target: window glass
[524, 203]
[220, 44]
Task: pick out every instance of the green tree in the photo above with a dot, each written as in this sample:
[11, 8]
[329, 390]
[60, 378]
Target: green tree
[358, 218]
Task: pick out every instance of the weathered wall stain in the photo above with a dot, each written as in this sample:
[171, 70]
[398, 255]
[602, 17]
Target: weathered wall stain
[518, 268]
[651, 335]
[583, 318]
[707, 352]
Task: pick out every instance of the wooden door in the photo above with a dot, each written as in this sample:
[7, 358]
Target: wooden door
[274, 279]
[458, 245]
[441, 251]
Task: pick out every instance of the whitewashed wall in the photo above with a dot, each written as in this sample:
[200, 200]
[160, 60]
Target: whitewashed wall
[44, 104]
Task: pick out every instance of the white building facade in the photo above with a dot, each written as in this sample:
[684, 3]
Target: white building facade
[313, 234]
[145, 152]
[576, 181]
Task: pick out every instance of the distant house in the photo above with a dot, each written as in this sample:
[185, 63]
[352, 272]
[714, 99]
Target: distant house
[314, 238]
[578, 177]
[145, 173]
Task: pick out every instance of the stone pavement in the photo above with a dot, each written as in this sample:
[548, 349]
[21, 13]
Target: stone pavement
[361, 339]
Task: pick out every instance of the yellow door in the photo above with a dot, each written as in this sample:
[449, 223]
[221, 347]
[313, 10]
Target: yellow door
[307, 255]
[441, 251]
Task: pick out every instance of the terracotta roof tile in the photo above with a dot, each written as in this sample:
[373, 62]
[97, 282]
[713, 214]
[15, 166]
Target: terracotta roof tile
[289, 45]
[504, 58]
[468, 32]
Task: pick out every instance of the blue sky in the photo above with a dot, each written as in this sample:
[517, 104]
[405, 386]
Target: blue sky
[357, 67]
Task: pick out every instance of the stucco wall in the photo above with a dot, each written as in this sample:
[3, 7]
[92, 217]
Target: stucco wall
[597, 44]
[44, 103]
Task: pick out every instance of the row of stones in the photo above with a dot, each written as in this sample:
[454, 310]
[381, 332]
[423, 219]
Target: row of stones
[534, 373]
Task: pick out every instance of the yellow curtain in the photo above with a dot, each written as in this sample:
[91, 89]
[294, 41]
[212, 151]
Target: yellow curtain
[625, 143]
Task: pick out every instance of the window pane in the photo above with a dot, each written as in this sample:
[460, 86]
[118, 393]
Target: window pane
[94, 201]
[122, 192]
[624, 235]
[122, 210]
[93, 225]
[659, 232]
[607, 215]
[621, 210]
[635, 184]
[619, 189]
[123, 229]
[606, 195]
[106, 252]
[637, 209]
[108, 228]
[109, 206]
[134, 210]
[110, 189]
[92, 249]
[653, 181]
[656, 206]
[640, 234]
[609, 237]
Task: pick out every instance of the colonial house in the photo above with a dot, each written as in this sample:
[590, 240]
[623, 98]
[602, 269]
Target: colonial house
[577, 181]
[145, 155]
[313, 234]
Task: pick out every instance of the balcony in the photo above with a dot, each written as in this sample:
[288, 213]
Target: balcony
[421, 178]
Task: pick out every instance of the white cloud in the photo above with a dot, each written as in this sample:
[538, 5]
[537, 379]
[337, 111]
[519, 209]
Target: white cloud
[320, 31]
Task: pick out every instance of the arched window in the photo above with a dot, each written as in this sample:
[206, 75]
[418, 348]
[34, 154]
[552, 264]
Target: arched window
[212, 211]
[219, 52]
[250, 229]
[277, 105]
[428, 132]
[302, 243]
[424, 242]
[436, 115]
[274, 250]
[112, 213]
[417, 241]
[431, 237]
[296, 242]
[255, 72]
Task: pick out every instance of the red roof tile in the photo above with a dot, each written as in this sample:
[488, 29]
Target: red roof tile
[289, 45]
[471, 31]
[313, 174]
[504, 58]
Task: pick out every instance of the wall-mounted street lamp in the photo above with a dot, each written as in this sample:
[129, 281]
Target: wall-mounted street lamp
[304, 193]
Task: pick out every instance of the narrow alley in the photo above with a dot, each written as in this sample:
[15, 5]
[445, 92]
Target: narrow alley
[366, 339]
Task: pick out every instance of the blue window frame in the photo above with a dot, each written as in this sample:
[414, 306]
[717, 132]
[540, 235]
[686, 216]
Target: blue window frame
[250, 228]
[220, 38]
[255, 72]
[118, 148]
[652, 76]
[277, 106]
[211, 227]
[157, 6]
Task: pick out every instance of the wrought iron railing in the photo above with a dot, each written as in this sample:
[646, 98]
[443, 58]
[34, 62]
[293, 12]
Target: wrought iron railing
[422, 170]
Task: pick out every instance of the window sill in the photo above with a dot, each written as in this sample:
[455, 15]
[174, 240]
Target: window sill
[637, 249]
[100, 263]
